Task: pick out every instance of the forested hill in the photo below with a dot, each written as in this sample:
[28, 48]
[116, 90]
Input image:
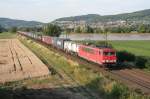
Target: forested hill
[7, 23]
[143, 15]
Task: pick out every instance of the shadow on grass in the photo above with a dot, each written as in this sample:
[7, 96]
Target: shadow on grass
[46, 93]
[33, 94]
[68, 92]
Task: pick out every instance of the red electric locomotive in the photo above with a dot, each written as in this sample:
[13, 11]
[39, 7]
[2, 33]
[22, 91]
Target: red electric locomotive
[98, 55]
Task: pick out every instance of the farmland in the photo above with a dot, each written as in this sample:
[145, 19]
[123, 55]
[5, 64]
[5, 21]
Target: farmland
[139, 48]
[17, 62]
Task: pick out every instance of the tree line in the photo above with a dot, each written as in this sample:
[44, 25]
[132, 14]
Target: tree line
[54, 30]
[12, 29]
[2, 29]
[142, 28]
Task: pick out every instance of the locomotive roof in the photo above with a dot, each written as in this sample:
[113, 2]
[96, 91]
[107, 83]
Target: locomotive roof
[101, 46]
[107, 48]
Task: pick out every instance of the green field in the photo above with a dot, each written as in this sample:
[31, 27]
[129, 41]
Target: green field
[7, 35]
[138, 48]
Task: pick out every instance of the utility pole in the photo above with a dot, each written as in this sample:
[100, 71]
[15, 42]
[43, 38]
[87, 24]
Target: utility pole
[67, 34]
[106, 36]
[106, 39]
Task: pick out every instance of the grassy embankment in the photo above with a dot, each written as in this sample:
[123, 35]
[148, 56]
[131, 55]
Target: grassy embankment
[95, 82]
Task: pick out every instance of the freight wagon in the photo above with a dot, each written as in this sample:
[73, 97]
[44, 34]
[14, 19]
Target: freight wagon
[47, 40]
[58, 42]
[70, 46]
[39, 37]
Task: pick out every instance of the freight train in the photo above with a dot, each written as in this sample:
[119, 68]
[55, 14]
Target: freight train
[100, 55]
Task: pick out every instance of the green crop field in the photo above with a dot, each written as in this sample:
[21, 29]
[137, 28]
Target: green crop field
[139, 48]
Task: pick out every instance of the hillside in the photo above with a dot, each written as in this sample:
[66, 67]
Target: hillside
[89, 17]
[139, 16]
[7, 23]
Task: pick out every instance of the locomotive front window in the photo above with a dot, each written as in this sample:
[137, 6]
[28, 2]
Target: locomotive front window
[109, 53]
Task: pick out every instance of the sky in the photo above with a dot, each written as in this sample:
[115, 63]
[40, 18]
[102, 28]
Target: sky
[49, 10]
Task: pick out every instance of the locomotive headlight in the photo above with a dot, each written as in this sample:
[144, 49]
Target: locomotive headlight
[107, 60]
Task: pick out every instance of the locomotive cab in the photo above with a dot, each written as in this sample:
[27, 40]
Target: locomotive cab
[109, 56]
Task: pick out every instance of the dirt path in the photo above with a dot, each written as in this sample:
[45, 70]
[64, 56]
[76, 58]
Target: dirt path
[17, 62]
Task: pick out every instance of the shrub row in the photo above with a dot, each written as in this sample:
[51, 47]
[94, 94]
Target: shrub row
[138, 61]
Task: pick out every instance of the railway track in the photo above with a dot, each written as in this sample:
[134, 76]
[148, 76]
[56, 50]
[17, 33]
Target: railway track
[136, 82]
[135, 79]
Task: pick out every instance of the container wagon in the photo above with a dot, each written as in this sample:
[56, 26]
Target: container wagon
[59, 42]
[47, 40]
[70, 46]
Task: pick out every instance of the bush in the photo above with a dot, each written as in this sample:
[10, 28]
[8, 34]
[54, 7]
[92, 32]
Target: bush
[140, 62]
[118, 92]
[147, 65]
[13, 29]
[52, 30]
[124, 56]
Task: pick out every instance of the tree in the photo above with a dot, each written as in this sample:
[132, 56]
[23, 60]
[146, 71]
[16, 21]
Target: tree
[52, 30]
[98, 30]
[142, 29]
[78, 29]
[13, 29]
[67, 30]
[2, 29]
[148, 28]
[88, 29]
